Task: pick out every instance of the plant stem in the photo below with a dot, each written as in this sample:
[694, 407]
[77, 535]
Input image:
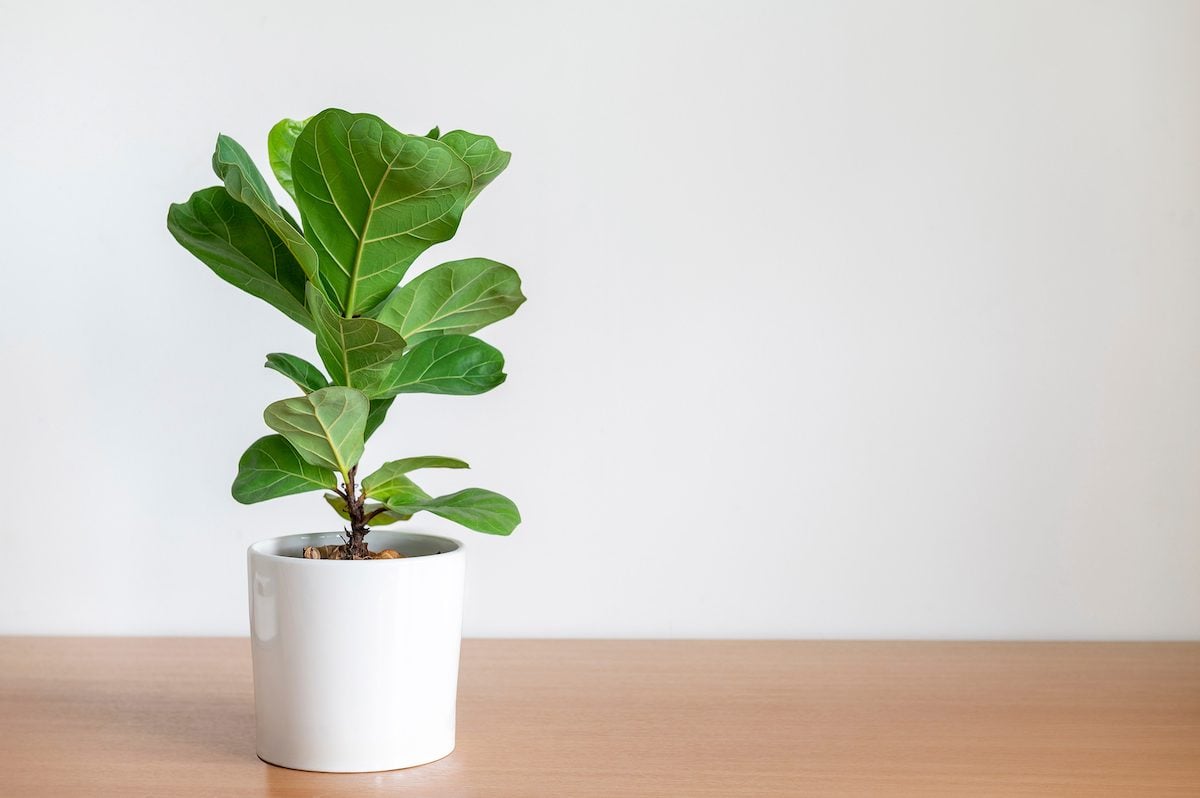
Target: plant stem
[357, 547]
[373, 513]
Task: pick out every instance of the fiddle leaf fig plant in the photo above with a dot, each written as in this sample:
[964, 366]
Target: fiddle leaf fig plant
[371, 200]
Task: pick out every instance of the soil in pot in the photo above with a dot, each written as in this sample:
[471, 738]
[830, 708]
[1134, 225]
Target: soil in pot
[338, 552]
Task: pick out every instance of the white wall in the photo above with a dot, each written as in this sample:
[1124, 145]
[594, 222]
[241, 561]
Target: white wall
[846, 319]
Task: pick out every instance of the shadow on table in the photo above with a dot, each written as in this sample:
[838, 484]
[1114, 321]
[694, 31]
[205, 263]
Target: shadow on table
[446, 777]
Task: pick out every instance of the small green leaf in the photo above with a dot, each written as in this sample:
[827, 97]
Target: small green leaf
[448, 364]
[461, 296]
[485, 159]
[307, 377]
[373, 199]
[382, 482]
[241, 249]
[356, 351]
[272, 467]
[384, 518]
[376, 415]
[326, 426]
[280, 143]
[245, 183]
[433, 134]
[475, 508]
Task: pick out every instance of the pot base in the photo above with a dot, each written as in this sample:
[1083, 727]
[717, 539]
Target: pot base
[416, 764]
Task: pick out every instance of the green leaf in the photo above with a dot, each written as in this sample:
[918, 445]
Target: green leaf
[307, 377]
[356, 351]
[448, 364]
[399, 490]
[241, 249]
[272, 467]
[384, 518]
[475, 508]
[481, 154]
[376, 415]
[461, 296]
[433, 134]
[326, 426]
[245, 183]
[280, 143]
[372, 199]
[383, 483]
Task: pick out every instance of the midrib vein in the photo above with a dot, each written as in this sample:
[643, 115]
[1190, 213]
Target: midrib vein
[362, 238]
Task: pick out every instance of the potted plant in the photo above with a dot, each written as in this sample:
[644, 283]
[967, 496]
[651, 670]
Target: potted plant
[355, 647]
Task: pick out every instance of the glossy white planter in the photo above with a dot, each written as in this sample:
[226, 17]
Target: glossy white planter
[355, 662]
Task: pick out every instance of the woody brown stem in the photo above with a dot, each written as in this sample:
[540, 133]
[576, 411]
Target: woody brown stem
[356, 547]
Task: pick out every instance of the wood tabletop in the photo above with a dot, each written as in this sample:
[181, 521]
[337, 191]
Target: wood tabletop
[174, 716]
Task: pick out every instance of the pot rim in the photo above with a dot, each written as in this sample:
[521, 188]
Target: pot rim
[257, 549]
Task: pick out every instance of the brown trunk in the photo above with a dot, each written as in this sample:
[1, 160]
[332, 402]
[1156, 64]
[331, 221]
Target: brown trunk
[356, 547]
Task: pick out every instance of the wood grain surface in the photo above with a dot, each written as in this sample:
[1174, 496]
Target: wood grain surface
[174, 717]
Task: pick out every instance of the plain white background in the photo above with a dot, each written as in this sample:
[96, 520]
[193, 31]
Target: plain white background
[860, 319]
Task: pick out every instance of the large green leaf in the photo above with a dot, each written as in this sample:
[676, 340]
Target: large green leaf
[381, 519]
[245, 183]
[307, 377]
[446, 364]
[241, 249]
[383, 481]
[280, 143]
[372, 199]
[272, 467]
[481, 154]
[356, 351]
[474, 508]
[326, 426]
[461, 296]
[376, 415]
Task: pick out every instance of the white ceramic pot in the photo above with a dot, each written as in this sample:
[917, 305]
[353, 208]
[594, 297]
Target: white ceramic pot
[355, 662]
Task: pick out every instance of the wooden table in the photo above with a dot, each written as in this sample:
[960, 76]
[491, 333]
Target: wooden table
[174, 717]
